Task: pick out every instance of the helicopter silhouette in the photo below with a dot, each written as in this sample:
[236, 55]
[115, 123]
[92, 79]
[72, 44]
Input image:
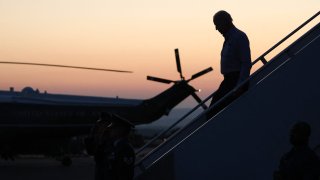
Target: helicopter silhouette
[33, 122]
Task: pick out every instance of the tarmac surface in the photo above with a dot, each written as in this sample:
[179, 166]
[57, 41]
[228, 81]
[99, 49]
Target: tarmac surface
[46, 169]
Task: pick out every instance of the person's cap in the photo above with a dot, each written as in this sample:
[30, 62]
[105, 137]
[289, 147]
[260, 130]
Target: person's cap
[116, 120]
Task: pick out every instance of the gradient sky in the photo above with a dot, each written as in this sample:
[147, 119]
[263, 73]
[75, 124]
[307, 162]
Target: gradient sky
[138, 35]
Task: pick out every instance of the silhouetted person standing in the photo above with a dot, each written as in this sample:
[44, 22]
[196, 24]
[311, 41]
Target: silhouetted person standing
[235, 55]
[300, 163]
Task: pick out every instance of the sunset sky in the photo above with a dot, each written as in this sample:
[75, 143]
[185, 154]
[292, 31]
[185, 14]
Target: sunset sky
[138, 35]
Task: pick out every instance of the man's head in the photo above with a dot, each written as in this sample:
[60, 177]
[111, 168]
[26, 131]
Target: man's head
[223, 21]
[299, 134]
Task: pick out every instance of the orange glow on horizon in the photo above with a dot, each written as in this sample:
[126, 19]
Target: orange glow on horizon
[131, 35]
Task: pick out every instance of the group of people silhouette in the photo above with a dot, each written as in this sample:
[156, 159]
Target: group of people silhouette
[109, 144]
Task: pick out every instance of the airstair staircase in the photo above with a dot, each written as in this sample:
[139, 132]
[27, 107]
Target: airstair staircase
[246, 139]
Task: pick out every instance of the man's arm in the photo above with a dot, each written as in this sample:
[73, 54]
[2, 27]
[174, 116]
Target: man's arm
[245, 58]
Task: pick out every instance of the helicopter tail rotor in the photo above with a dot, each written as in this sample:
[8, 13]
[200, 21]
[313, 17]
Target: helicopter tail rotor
[203, 72]
[151, 78]
[176, 51]
[166, 81]
[197, 98]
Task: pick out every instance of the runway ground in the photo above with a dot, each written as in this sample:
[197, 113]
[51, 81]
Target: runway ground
[46, 169]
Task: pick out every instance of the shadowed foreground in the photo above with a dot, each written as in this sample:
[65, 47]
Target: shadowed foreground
[48, 169]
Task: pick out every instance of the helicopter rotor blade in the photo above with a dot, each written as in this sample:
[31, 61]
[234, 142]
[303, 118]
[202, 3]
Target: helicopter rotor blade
[176, 51]
[166, 81]
[205, 71]
[197, 98]
[63, 66]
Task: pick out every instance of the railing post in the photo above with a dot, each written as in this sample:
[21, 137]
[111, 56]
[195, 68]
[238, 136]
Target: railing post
[263, 60]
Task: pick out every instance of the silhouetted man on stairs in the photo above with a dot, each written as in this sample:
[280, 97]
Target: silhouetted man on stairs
[235, 59]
